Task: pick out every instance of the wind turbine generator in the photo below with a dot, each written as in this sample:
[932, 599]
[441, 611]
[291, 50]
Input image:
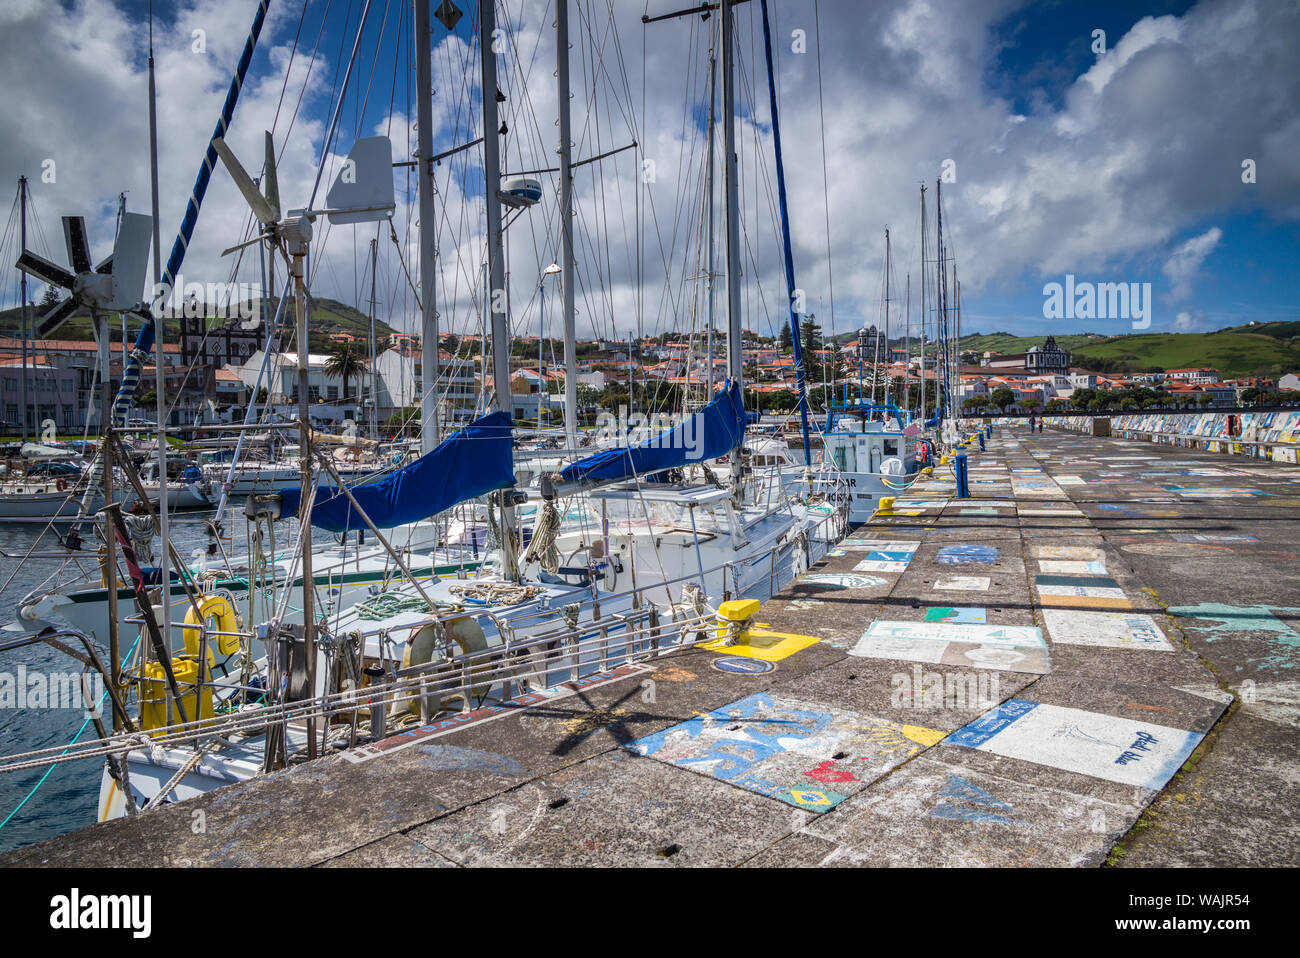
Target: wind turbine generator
[114, 285]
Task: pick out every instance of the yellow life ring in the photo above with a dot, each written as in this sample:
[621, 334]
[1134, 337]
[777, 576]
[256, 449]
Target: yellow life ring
[421, 648]
[220, 608]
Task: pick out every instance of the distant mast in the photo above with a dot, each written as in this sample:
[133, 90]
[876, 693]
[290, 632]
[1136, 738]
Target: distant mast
[923, 313]
[428, 231]
[496, 259]
[800, 369]
[735, 354]
[567, 268]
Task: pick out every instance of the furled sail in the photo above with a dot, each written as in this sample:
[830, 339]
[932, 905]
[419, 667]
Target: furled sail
[470, 462]
[714, 431]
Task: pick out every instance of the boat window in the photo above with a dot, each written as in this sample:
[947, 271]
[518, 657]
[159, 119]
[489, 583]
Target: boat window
[891, 447]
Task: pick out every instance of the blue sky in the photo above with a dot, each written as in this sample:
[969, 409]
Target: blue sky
[1119, 168]
[1251, 276]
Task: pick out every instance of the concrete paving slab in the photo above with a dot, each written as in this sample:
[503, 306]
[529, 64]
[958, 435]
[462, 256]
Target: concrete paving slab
[982, 812]
[615, 810]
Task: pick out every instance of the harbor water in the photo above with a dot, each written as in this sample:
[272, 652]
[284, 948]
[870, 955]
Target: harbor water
[67, 797]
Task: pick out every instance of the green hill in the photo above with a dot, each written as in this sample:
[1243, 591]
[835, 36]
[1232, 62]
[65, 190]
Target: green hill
[1010, 344]
[1279, 330]
[1231, 353]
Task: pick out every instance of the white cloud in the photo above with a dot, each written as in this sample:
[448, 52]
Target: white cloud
[1144, 147]
[1184, 264]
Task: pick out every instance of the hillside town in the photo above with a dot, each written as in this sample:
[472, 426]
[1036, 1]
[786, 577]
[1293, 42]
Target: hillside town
[217, 369]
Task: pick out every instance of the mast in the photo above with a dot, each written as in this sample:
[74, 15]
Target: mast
[941, 317]
[956, 340]
[708, 282]
[428, 223]
[160, 405]
[885, 389]
[801, 386]
[923, 343]
[22, 274]
[496, 258]
[374, 373]
[297, 277]
[567, 267]
[735, 355]
[907, 346]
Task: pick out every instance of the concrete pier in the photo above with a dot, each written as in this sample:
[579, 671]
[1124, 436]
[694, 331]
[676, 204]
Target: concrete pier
[1093, 659]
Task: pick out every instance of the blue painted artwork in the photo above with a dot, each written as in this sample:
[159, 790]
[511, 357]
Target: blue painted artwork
[986, 726]
[967, 553]
[958, 789]
[877, 555]
[740, 665]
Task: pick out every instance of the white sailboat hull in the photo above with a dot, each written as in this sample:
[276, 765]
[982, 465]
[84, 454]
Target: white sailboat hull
[40, 504]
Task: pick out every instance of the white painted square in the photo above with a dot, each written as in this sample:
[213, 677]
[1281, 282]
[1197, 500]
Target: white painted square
[1103, 746]
[1071, 567]
[876, 565]
[913, 650]
[964, 583]
[920, 503]
[1081, 591]
[1079, 553]
[1115, 630]
[1016, 635]
[1000, 647]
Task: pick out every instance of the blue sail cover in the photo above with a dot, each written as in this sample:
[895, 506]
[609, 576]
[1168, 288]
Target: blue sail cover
[470, 462]
[714, 431]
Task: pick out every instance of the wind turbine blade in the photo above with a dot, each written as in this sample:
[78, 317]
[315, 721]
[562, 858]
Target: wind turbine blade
[256, 239]
[270, 182]
[130, 258]
[55, 317]
[261, 209]
[44, 270]
[74, 234]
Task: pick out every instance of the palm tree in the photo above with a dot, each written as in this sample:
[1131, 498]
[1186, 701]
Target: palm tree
[345, 362]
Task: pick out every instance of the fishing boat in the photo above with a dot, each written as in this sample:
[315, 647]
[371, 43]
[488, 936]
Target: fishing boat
[42, 486]
[873, 449]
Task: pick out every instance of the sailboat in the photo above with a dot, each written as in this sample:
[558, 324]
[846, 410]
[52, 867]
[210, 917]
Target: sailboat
[468, 640]
[667, 521]
[275, 675]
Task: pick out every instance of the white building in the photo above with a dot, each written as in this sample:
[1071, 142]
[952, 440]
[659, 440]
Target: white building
[401, 381]
[1195, 376]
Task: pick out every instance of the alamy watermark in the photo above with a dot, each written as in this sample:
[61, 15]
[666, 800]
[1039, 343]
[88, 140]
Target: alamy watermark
[920, 689]
[1085, 300]
[212, 300]
[75, 911]
[654, 430]
[31, 689]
